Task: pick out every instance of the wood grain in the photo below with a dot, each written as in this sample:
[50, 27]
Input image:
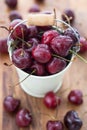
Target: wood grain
[75, 77]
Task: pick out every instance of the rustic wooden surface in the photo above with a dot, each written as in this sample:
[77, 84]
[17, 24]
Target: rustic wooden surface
[75, 77]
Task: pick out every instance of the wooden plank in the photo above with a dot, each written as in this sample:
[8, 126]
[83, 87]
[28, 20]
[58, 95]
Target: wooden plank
[75, 77]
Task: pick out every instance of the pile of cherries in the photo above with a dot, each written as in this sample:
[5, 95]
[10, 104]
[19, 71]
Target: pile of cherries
[24, 117]
[43, 49]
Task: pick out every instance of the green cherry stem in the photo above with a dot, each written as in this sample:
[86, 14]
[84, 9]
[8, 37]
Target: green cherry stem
[54, 55]
[24, 78]
[80, 57]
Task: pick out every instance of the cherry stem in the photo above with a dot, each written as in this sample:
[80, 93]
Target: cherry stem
[80, 57]
[67, 18]
[4, 28]
[6, 64]
[61, 58]
[56, 113]
[23, 41]
[24, 78]
[47, 115]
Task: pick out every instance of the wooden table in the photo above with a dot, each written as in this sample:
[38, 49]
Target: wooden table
[75, 77]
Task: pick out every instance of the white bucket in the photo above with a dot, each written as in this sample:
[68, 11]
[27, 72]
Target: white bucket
[38, 86]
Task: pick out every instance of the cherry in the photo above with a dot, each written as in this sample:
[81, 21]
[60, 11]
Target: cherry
[69, 32]
[14, 15]
[61, 45]
[31, 44]
[44, 28]
[55, 65]
[39, 69]
[54, 125]
[39, 1]
[32, 31]
[11, 104]
[23, 118]
[72, 121]
[83, 43]
[21, 58]
[41, 53]
[35, 8]
[3, 45]
[51, 100]
[20, 31]
[68, 14]
[11, 3]
[75, 97]
[48, 36]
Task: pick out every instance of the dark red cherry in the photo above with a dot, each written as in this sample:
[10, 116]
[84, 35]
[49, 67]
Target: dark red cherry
[69, 32]
[48, 36]
[20, 31]
[70, 14]
[72, 120]
[11, 3]
[32, 31]
[35, 8]
[75, 97]
[54, 125]
[61, 45]
[83, 45]
[3, 45]
[55, 65]
[14, 15]
[21, 58]
[11, 104]
[41, 53]
[39, 69]
[51, 100]
[31, 44]
[39, 1]
[23, 118]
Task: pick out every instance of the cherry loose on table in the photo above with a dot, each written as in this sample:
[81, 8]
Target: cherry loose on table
[11, 3]
[51, 100]
[68, 16]
[72, 120]
[3, 45]
[11, 104]
[14, 15]
[54, 125]
[23, 118]
[75, 97]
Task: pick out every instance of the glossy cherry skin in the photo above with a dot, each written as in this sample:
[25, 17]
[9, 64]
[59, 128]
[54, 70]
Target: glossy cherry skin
[21, 58]
[69, 32]
[70, 14]
[61, 45]
[41, 53]
[3, 45]
[11, 104]
[11, 3]
[75, 97]
[51, 100]
[83, 45]
[55, 65]
[72, 120]
[48, 36]
[23, 118]
[32, 31]
[19, 31]
[39, 69]
[54, 125]
[14, 15]
[31, 44]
